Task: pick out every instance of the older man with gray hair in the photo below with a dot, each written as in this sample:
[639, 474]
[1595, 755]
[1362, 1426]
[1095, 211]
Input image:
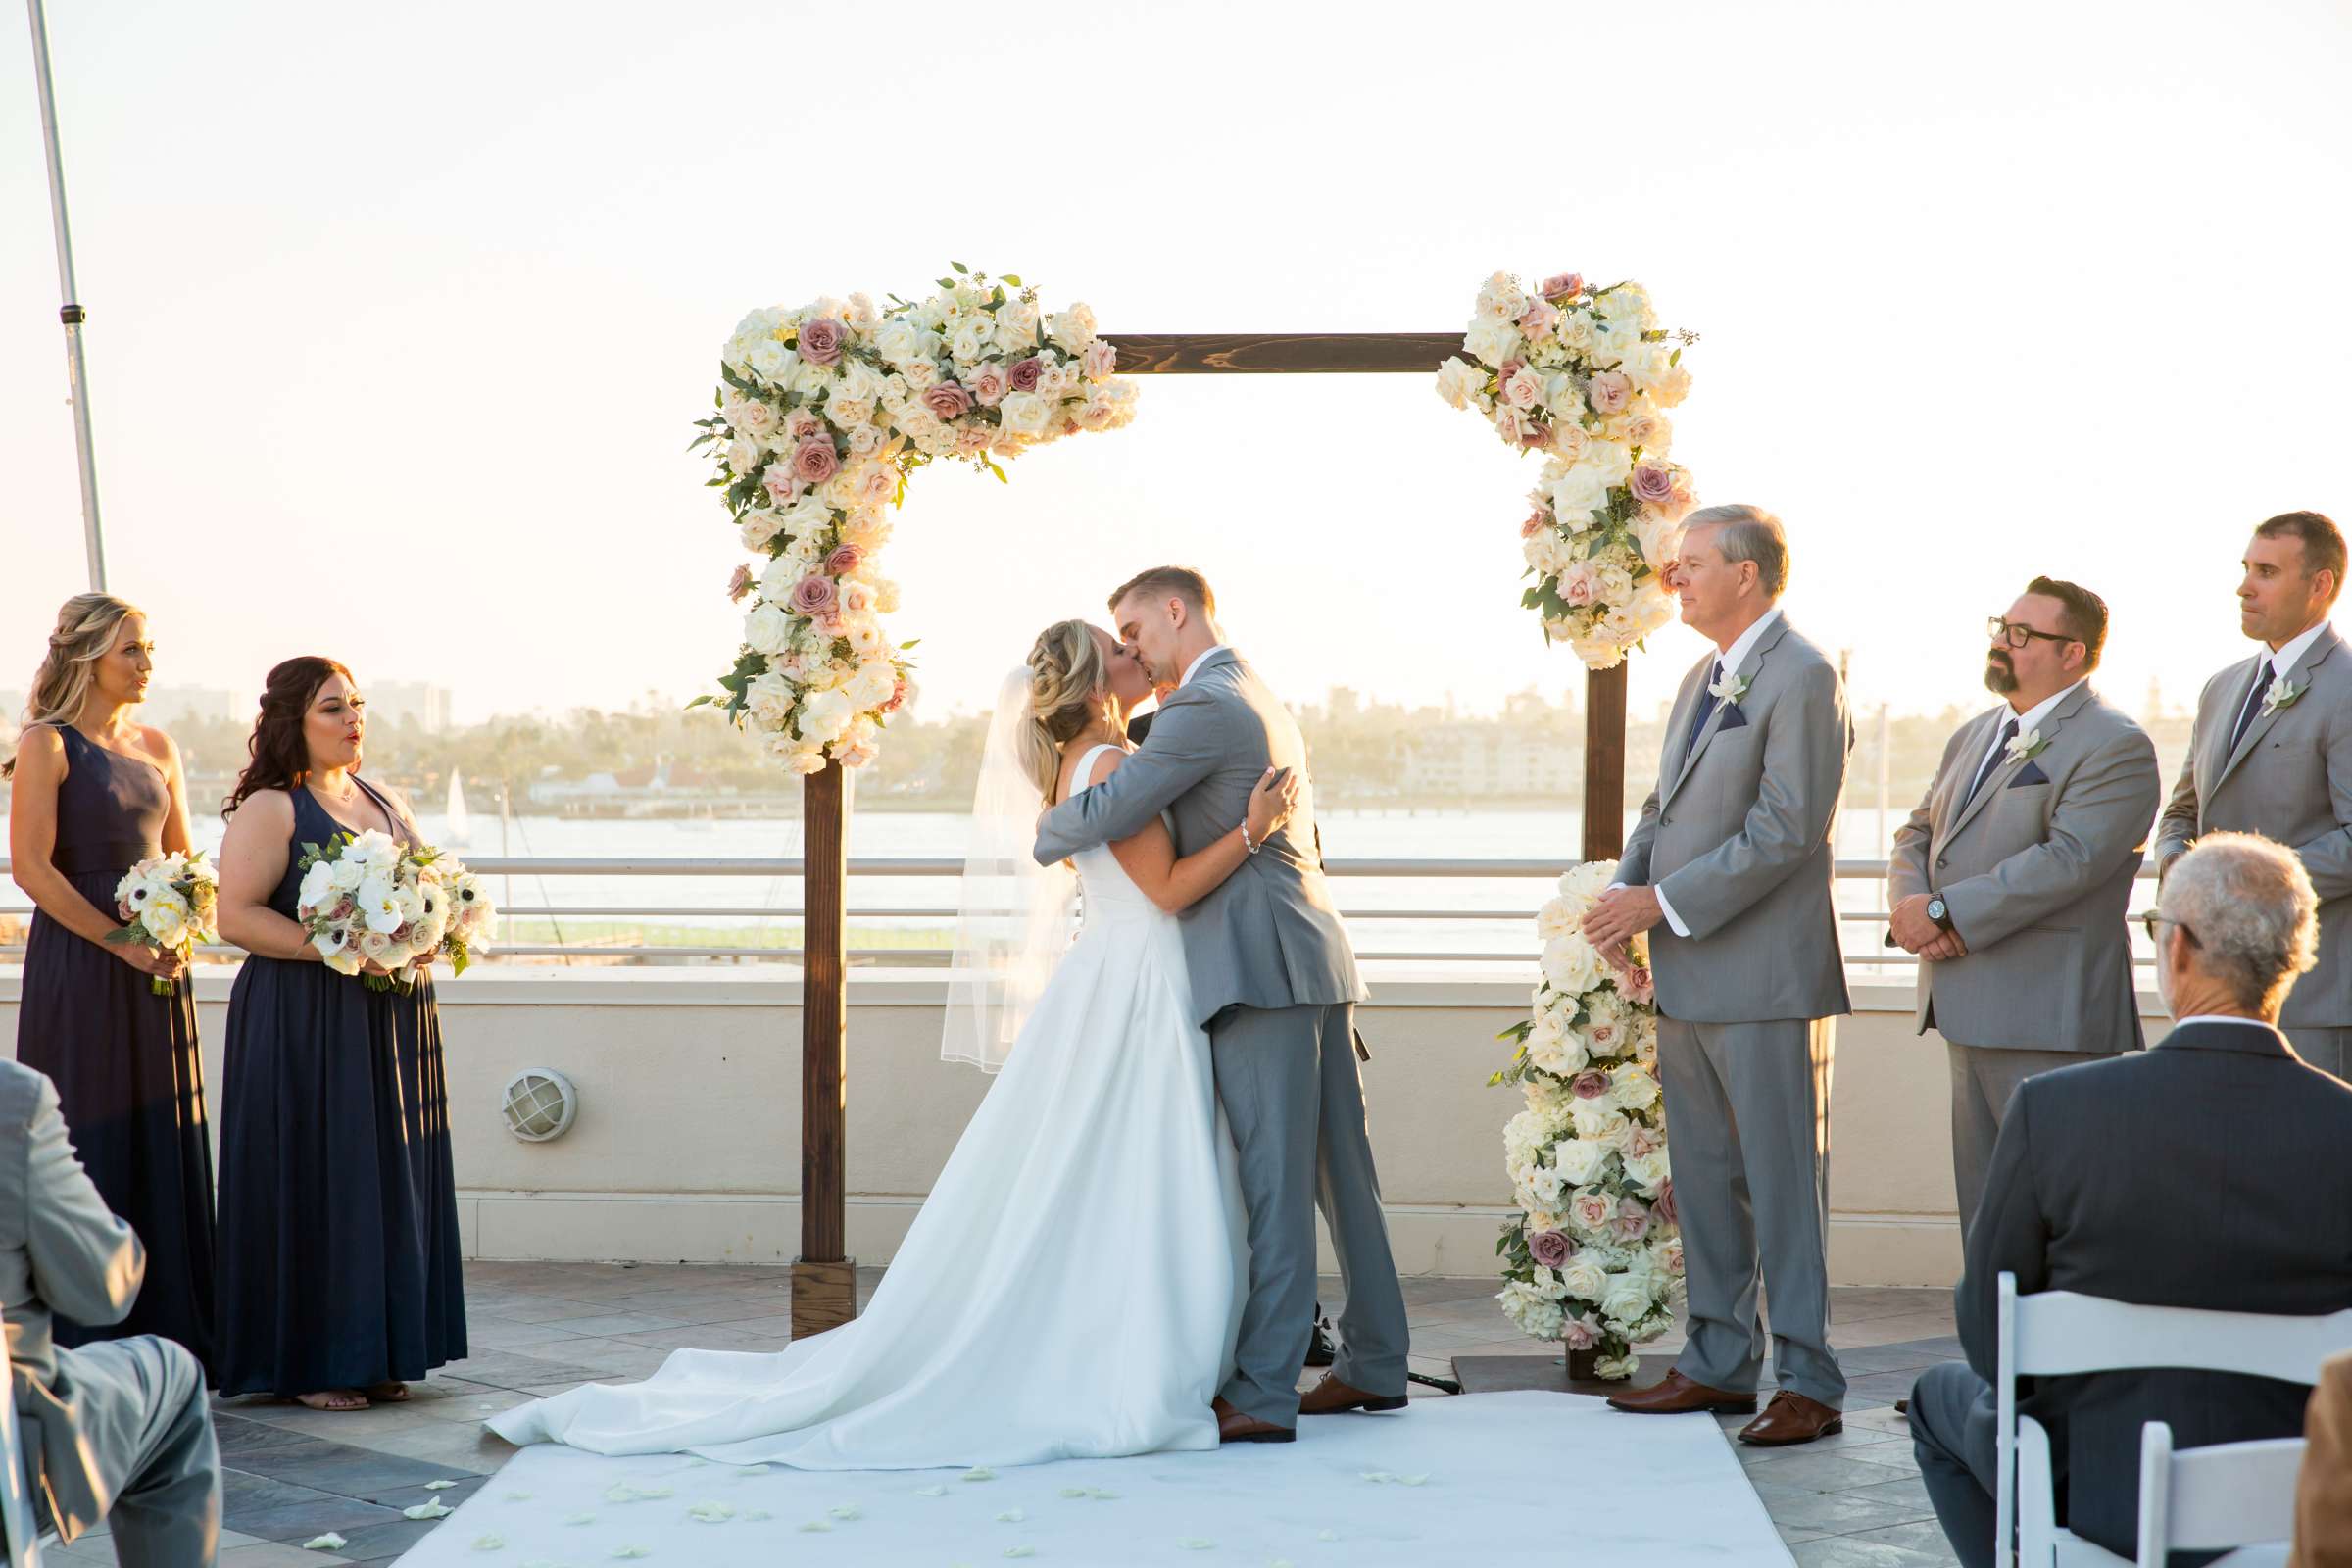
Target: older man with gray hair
[2208, 1172]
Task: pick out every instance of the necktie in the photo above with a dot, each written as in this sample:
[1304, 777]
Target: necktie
[1992, 759]
[1700, 712]
[2253, 703]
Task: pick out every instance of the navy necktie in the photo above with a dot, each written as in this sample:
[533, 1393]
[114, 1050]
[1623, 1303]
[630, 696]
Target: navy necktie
[1992, 759]
[2253, 704]
[1700, 712]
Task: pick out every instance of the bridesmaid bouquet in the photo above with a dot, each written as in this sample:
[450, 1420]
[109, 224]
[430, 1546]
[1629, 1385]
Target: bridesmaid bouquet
[366, 900]
[167, 902]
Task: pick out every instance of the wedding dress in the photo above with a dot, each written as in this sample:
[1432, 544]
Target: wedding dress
[1072, 1289]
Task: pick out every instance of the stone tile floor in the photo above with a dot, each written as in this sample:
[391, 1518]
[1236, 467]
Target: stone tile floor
[1850, 1502]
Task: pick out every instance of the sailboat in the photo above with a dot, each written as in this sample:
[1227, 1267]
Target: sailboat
[459, 832]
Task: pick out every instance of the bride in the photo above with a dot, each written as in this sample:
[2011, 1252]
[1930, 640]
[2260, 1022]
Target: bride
[1072, 1287]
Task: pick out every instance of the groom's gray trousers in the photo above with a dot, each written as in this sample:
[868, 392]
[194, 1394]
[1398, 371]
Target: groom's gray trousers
[1287, 1078]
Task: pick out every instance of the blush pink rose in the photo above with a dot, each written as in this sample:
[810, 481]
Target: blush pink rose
[897, 696]
[1580, 584]
[1592, 1210]
[972, 439]
[990, 384]
[1551, 1248]
[1665, 1209]
[1609, 391]
[1633, 1219]
[1578, 1333]
[844, 560]
[1639, 985]
[1604, 1038]
[1535, 523]
[947, 401]
[1510, 424]
[1562, 286]
[1024, 375]
[1522, 388]
[878, 484]
[1099, 361]
[1590, 1084]
[1642, 1141]
[1535, 437]
[781, 483]
[1541, 317]
[1653, 484]
[821, 340]
[814, 460]
[800, 424]
[740, 583]
[814, 595]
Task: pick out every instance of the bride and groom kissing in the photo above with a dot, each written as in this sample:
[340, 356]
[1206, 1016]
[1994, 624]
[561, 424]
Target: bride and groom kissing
[1119, 1255]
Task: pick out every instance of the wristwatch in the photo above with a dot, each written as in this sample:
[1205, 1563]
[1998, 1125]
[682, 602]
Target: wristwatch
[1939, 914]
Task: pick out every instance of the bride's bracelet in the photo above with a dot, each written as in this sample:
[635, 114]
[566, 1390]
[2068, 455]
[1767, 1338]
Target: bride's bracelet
[1252, 846]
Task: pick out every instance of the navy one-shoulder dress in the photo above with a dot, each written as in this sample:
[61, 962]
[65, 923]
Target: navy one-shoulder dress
[339, 1264]
[124, 1059]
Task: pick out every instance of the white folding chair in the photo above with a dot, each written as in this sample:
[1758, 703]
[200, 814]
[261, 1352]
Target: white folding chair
[2057, 1333]
[16, 1487]
[2215, 1498]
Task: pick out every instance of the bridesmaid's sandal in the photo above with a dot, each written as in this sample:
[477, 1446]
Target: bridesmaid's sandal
[390, 1392]
[333, 1399]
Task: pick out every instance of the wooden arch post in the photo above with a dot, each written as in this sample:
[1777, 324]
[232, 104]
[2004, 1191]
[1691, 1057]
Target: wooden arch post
[824, 1275]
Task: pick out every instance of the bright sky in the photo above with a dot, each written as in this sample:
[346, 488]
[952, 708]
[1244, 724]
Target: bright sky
[400, 315]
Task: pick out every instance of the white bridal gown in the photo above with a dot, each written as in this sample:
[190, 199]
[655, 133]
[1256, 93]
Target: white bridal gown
[1070, 1290]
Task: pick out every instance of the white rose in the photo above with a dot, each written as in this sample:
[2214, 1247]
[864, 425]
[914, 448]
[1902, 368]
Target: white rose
[1024, 413]
[1631, 1087]
[768, 696]
[825, 715]
[1459, 383]
[1585, 1278]
[1627, 1298]
[759, 526]
[767, 629]
[1577, 494]
[770, 359]
[1570, 964]
[872, 685]
[1073, 328]
[1492, 341]
[1649, 1171]
[742, 456]
[166, 919]
[899, 342]
[1596, 1121]
[1580, 1162]
[347, 873]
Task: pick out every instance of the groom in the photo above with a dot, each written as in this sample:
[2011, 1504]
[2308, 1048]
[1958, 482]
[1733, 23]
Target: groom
[1274, 984]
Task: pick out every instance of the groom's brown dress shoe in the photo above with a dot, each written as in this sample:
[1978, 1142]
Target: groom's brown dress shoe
[1677, 1395]
[1792, 1418]
[1330, 1396]
[1233, 1426]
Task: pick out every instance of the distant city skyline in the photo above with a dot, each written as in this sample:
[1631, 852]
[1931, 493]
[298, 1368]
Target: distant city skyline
[2029, 290]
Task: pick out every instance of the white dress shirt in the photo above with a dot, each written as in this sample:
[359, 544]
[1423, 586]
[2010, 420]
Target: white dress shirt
[1731, 659]
[2026, 722]
[1194, 668]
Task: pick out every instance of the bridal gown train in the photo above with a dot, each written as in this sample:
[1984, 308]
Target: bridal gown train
[1070, 1290]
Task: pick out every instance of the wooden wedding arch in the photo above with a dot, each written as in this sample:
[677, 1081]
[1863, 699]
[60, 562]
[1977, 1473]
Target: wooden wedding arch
[823, 1275]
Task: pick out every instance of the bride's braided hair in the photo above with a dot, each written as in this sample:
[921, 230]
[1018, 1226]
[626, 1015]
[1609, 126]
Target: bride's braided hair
[1069, 687]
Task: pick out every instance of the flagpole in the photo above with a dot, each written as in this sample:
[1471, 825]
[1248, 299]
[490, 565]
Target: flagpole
[77, 382]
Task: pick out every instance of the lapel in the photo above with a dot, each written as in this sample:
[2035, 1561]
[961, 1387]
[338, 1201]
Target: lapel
[2007, 766]
[2313, 656]
[1698, 690]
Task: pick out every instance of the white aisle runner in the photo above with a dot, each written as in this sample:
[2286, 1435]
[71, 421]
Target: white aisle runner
[1473, 1479]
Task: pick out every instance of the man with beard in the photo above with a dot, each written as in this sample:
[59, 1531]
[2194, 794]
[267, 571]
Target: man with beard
[2012, 879]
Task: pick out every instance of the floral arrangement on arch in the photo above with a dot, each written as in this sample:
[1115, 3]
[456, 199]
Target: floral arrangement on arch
[1584, 376]
[1592, 1259]
[827, 408]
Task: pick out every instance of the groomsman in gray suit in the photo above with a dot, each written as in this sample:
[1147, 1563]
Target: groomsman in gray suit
[116, 1431]
[2012, 880]
[2272, 753]
[1733, 859]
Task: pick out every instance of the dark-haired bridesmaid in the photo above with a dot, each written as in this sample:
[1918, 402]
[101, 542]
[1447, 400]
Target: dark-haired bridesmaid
[96, 792]
[340, 1279]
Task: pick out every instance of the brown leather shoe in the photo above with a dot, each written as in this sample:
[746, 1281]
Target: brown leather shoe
[1677, 1395]
[1792, 1418]
[1330, 1396]
[1233, 1426]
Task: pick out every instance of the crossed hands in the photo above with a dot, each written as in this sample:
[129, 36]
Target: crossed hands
[1619, 915]
[1916, 934]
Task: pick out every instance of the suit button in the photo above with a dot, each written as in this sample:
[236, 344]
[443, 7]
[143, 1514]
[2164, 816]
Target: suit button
[1665, 821]
[1942, 861]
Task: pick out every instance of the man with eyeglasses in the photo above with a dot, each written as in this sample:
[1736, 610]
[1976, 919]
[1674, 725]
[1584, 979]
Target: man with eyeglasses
[2012, 879]
[2272, 753]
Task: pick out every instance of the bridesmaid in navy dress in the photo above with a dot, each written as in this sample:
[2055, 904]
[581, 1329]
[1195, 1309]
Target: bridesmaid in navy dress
[96, 793]
[339, 1272]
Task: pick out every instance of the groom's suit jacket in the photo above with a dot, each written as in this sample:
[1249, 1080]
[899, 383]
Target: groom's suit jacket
[1736, 838]
[1270, 936]
[2036, 868]
[2288, 779]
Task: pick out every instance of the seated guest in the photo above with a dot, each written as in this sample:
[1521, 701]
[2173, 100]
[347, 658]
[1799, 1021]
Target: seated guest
[2208, 1172]
[118, 1430]
[2323, 1490]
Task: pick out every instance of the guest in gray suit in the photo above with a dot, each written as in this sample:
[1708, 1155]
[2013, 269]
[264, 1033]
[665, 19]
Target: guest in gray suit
[1274, 982]
[1733, 857]
[2272, 753]
[2209, 1172]
[2012, 880]
[118, 1430]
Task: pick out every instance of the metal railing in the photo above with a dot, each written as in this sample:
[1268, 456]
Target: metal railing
[903, 867]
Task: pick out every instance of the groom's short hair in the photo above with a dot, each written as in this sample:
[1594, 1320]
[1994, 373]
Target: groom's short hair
[1171, 582]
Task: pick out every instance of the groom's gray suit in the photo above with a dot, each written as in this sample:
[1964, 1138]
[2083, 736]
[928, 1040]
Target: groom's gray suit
[1274, 982]
[1736, 839]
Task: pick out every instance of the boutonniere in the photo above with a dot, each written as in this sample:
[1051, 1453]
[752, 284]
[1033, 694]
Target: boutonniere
[2283, 695]
[1729, 688]
[2026, 747]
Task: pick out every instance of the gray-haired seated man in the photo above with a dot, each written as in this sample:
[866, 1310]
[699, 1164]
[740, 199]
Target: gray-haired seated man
[116, 1431]
[2213, 1170]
